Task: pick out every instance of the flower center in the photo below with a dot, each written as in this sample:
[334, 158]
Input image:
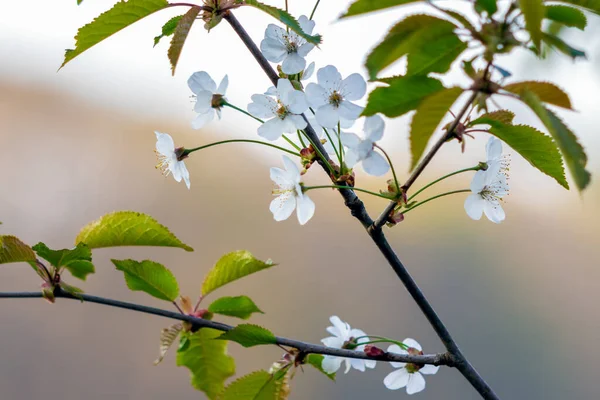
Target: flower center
[335, 98]
[217, 101]
[410, 367]
[281, 110]
[291, 45]
[163, 163]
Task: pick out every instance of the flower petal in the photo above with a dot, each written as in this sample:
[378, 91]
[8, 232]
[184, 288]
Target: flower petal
[341, 326]
[298, 121]
[185, 174]
[272, 129]
[354, 87]
[429, 369]
[306, 24]
[474, 206]
[493, 148]
[416, 383]
[478, 182]
[273, 50]
[222, 89]
[305, 209]
[309, 71]
[331, 364]
[203, 101]
[375, 164]
[317, 95]
[294, 63]
[329, 78]
[201, 80]
[284, 89]
[283, 206]
[374, 127]
[333, 341]
[282, 178]
[412, 343]
[328, 116]
[203, 119]
[292, 169]
[164, 144]
[262, 106]
[358, 364]
[350, 111]
[397, 379]
[350, 140]
[494, 211]
[297, 103]
[305, 49]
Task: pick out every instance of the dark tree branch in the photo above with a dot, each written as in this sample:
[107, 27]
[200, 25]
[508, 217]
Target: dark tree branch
[307, 348]
[358, 210]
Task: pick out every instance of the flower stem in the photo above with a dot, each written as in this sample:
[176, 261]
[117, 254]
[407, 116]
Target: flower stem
[392, 167]
[300, 139]
[188, 151]
[476, 168]
[312, 14]
[402, 345]
[341, 148]
[307, 188]
[435, 197]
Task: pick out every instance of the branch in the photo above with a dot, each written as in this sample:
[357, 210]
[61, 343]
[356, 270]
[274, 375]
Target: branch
[307, 348]
[358, 210]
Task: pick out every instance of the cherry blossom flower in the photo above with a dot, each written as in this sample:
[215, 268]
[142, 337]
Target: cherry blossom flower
[408, 375]
[489, 186]
[209, 98]
[289, 194]
[344, 337]
[289, 47]
[284, 105]
[332, 97]
[333, 132]
[169, 158]
[363, 150]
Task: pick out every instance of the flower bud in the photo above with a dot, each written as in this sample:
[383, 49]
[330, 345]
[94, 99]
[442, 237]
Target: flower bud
[374, 351]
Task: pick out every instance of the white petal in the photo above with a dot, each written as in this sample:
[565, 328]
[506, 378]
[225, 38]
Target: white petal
[291, 168]
[203, 119]
[176, 170]
[350, 140]
[275, 32]
[305, 209]
[184, 173]
[352, 158]
[375, 164]
[294, 63]
[494, 211]
[370, 363]
[317, 95]
[284, 88]
[309, 71]
[328, 116]
[429, 369]
[203, 101]
[329, 78]
[282, 178]
[474, 206]
[262, 106]
[222, 89]
[397, 379]
[350, 111]
[331, 364]
[201, 81]
[398, 350]
[298, 121]
[273, 50]
[416, 383]
[297, 103]
[306, 24]
[272, 129]
[358, 364]
[355, 333]
[478, 182]
[283, 206]
[348, 365]
[341, 326]
[305, 49]
[332, 341]
[412, 343]
[374, 127]
[272, 91]
[354, 87]
[164, 144]
[493, 148]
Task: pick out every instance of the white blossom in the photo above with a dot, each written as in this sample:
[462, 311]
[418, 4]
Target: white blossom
[280, 45]
[284, 105]
[333, 132]
[344, 337]
[169, 160]
[289, 194]
[363, 149]
[408, 375]
[332, 97]
[208, 97]
[489, 187]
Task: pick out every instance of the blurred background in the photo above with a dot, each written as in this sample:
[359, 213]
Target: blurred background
[521, 298]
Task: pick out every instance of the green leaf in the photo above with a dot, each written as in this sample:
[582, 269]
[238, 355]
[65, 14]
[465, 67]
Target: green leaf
[540, 150]
[403, 95]
[316, 361]
[249, 335]
[231, 267]
[429, 42]
[150, 277]
[207, 360]
[167, 338]
[285, 18]
[259, 385]
[123, 14]
[489, 6]
[568, 16]
[428, 117]
[567, 142]
[546, 91]
[128, 228]
[77, 260]
[503, 116]
[12, 250]
[367, 6]
[558, 44]
[240, 306]
[534, 12]
[589, 5]
[168, 29]
[180, 35]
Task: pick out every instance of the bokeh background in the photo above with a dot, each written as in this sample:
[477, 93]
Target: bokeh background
[521, 298]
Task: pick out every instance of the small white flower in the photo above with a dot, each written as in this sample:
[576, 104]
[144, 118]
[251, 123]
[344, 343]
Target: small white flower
[289, 194]
[289, 47]
[364, 149]
[332, 97]
[209, 98]
[284, 105]
[168, 158]
[344, 335]
[489, 186]
[409, 375]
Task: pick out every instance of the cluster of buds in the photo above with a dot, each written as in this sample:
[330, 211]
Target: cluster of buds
[212, 11]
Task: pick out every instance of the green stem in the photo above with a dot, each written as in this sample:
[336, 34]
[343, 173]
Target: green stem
[476, 168]
[329, 138]
[341, 148]
[312, 14]
[301, 141]
[307, 188]
[435, 197]
[382, 339]
[186, 152]
[392, 167]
